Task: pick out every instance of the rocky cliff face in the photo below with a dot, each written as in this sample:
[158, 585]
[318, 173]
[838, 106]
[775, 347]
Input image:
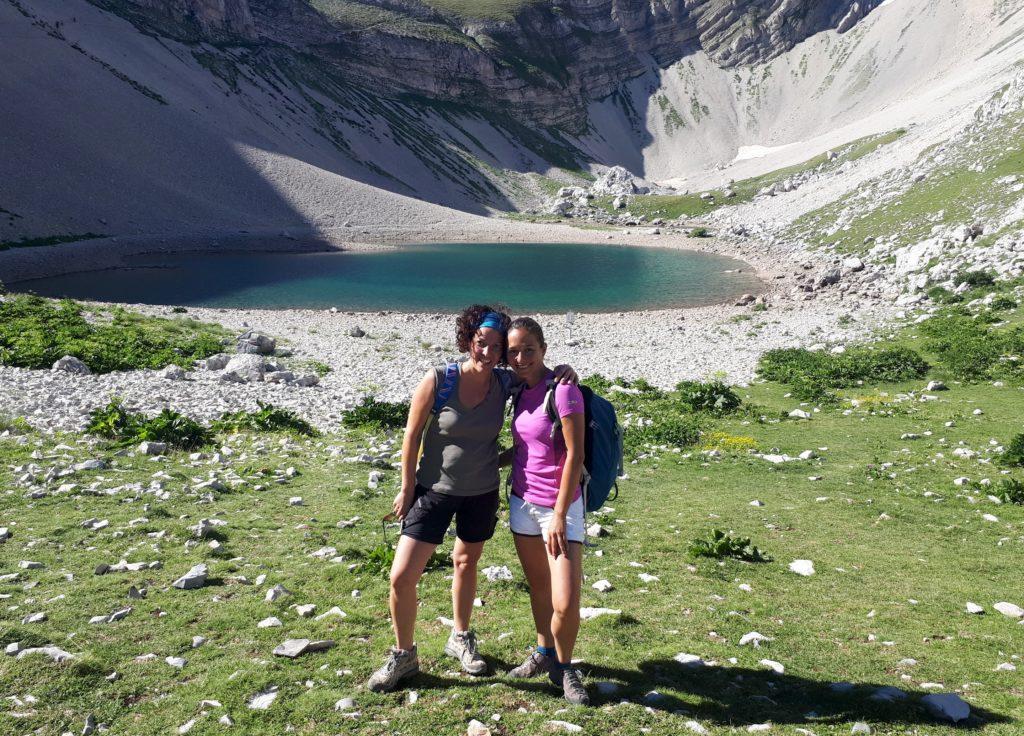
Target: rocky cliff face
[542, 64]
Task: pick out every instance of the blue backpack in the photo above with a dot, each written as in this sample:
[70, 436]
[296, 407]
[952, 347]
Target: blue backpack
[602, 445]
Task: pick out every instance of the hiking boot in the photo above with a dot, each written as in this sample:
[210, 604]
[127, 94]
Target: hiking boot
[462, 646]
[569, 682]
[400, 665]
[535, 664]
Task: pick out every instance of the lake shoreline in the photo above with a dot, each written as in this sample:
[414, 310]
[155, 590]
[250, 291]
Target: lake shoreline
[662, 346]
[612, 277]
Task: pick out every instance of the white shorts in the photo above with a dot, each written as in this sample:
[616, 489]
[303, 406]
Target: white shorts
[530, 520]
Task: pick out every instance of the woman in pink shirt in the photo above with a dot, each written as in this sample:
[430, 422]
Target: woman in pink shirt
[546, 508]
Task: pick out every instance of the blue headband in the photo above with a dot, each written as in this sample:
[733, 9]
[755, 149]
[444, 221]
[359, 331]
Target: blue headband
[492, 320]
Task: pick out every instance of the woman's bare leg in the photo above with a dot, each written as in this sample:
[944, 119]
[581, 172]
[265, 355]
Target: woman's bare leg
[533, 556]
[411, 558]
[465, 555]
[566, 574]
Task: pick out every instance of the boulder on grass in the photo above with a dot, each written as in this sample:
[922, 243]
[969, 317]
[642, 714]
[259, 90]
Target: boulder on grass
[71, 364]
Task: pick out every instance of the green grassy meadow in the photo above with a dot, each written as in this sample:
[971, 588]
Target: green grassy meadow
[898, 548]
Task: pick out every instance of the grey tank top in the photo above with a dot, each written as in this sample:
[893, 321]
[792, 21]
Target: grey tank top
[460, 446]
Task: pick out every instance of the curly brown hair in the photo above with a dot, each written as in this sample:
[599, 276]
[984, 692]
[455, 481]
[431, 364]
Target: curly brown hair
[467, 323]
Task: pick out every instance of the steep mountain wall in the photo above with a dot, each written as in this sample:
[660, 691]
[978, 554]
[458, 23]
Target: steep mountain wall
[544, 64]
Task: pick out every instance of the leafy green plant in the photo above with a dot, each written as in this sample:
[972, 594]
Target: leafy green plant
[376, 414]
[14, 425]
[1011, 490]
[1013, 454]
[268, 418]
[713, 397]
[318, 367]
[721, 544]
[114, 422]
[700, 232]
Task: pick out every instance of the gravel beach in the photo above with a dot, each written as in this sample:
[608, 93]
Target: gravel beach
[662, 346]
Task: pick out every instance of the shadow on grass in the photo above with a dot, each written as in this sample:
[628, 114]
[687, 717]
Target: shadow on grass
[738, 696]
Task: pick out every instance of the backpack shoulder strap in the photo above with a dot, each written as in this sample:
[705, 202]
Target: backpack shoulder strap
[552, 409]
[444, 391]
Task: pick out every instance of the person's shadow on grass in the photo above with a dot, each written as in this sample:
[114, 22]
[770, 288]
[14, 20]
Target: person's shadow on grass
[737, 696]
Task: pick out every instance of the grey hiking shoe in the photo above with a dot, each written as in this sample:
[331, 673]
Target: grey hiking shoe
[535, 664]
[462, 646]
[399, 665]
[569, 682]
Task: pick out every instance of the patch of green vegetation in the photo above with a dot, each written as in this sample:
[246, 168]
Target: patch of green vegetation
[267, 418]
[673, 120]
[316, 366]
[114, 422]
[373, 414]
[505, 10]
[1013, 455]
[364, 17]
[970, 348]
[49, 240]
[814, 374]
[221, 66]
[714, 397]
[35, 333]
[960, 187]
[698, 110]
[720, 545]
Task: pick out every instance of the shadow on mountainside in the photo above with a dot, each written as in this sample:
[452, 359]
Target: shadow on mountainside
[112, 132]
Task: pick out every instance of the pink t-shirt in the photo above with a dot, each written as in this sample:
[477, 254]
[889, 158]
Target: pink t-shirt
[538, 459]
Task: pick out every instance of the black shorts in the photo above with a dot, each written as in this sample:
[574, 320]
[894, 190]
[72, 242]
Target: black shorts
[431, 515]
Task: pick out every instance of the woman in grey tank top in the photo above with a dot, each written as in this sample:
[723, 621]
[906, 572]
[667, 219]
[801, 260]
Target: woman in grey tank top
[457, 476]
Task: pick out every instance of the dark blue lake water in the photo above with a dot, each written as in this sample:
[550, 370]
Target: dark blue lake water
[431, 277]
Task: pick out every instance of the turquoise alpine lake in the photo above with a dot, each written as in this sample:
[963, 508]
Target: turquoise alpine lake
[434, 277]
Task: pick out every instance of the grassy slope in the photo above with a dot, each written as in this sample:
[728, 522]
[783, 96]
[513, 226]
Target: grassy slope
[935, 550]
[691, 205]
[960, 188]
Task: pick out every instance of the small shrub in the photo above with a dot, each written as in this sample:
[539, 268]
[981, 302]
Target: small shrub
[975, 279]
[674, 430]
[178, 310]
[268, 418]
[816, 372]
[376, 414]
[114, 422]
[1002, 303]
[1011, 490]
[713, 397]
[721, 544]
[1013, 454]
[700, 232]
[970, 349]
[939, 295]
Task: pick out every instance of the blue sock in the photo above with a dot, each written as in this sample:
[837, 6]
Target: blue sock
[546, 651]
[563, 666]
